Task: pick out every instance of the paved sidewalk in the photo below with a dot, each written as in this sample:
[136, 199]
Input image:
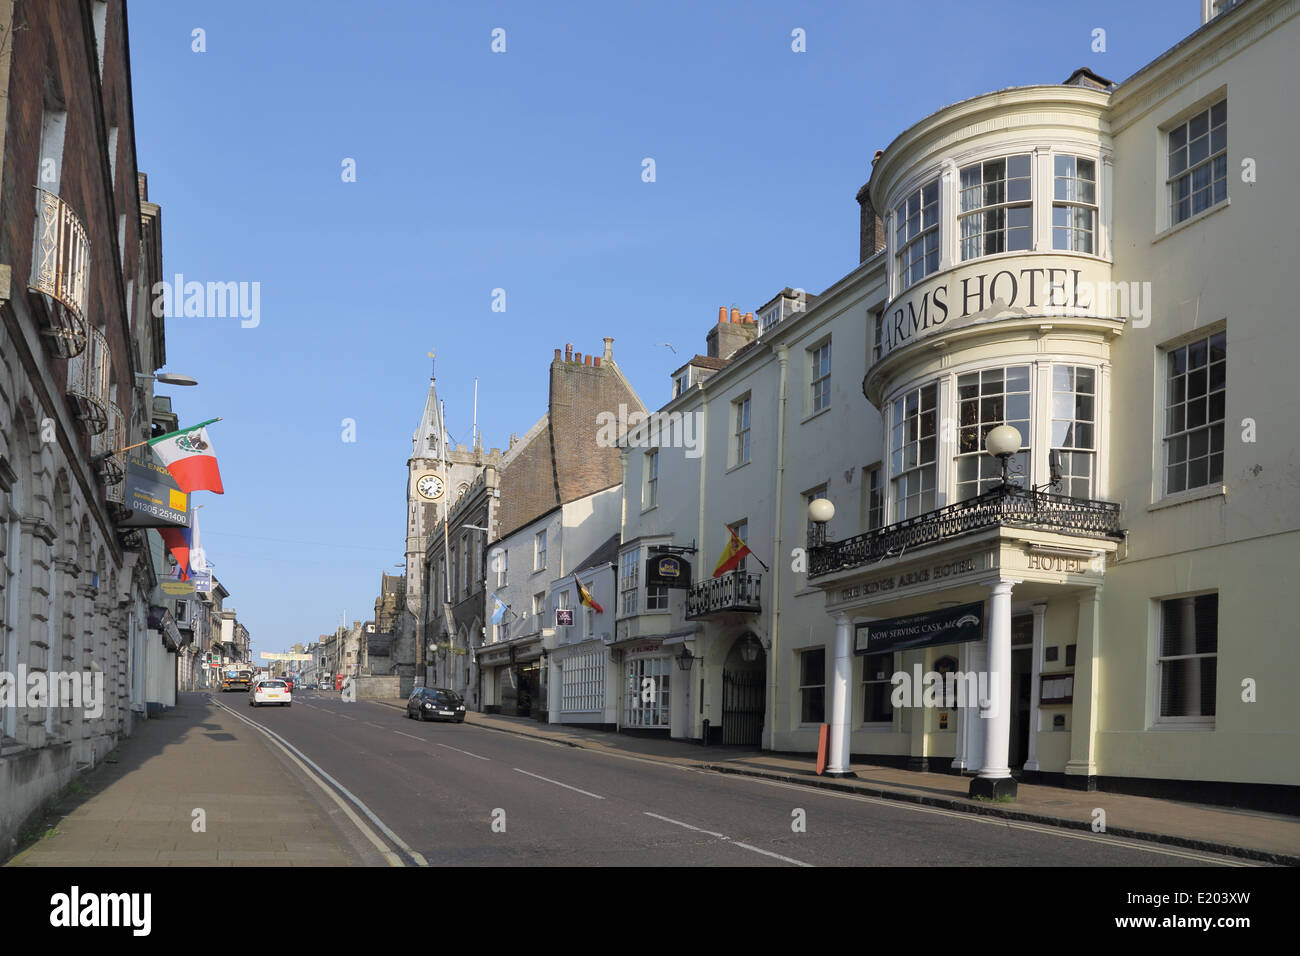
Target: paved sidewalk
[1254, 835]
[138, 811]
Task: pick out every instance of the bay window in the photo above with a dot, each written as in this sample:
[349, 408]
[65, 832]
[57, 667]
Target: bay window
[996, 207]
[1074, 205]
[913, 451]
[916, 235]
[986, 399]
[1074, 416]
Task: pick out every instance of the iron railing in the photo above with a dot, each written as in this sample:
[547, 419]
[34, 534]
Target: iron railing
[110, 460]
[733, 591]
[61, 270]
[88, 378]
[1005, 505]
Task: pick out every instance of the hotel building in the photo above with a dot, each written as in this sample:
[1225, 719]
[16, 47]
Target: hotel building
[1081, 262]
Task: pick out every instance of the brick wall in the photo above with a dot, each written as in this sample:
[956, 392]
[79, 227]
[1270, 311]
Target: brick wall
[563, 461]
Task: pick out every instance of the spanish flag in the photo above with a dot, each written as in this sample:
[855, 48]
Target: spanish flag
[584, 596]
[732, 554]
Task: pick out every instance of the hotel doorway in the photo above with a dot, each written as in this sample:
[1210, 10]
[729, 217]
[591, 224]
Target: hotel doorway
[1022, 677]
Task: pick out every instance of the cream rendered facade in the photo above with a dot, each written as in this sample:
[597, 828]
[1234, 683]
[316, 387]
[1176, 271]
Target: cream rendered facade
[1154, 616]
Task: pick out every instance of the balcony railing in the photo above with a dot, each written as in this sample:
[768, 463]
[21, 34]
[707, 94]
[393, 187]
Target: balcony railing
[110, 461]
[1009, 506]
[88, 376]
[733, 591]
[61, 270]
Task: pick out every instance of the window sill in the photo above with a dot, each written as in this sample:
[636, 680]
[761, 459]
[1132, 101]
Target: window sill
[738, 466]
[1192, 220]
[1182, 727]
[875, 728]
[1219, 490]
[649, 508]
[811, 416]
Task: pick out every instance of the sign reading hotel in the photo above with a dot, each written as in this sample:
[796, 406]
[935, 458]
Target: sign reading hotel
[1025, 286]
[953, 625]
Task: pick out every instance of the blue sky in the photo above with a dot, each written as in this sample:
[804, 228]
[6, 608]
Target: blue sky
[522, 171]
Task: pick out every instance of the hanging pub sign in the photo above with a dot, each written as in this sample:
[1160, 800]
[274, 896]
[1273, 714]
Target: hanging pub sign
[564, 617]
[668, 571]
[950, 625]
[153, 496]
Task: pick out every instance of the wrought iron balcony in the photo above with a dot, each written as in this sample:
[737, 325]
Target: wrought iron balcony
[88, 377]
[109, 459]
[735, 591]
[61, 271]
[1006, 506]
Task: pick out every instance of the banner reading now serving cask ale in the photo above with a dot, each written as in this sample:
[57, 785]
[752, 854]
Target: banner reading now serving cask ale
[950, 625]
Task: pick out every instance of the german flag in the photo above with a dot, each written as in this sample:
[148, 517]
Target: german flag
[584, 596]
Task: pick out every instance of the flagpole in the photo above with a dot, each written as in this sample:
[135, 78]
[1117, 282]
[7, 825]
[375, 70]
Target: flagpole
[149, 441]
[732, 531]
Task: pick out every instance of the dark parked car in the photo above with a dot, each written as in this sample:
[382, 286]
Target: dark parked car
[435, 703]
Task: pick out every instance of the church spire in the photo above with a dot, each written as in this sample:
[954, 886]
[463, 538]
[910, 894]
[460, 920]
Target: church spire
[427, 440]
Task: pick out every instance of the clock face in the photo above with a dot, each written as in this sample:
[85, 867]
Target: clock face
[430, 486]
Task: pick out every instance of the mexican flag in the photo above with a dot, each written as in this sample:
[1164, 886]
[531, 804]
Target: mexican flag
[189, 457]
[732, 554]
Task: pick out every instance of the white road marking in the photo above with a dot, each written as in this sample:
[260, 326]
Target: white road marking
[1125, 842]
[727, 839]
[465, 752]
[294, 754]
[558, 784]
[412, 736]
[380, 726]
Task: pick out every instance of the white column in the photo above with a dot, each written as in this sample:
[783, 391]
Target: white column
[841, 695]
[995, 778]
[1040, 613]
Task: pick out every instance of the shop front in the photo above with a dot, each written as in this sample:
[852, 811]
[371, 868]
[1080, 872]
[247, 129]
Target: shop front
[647, 688]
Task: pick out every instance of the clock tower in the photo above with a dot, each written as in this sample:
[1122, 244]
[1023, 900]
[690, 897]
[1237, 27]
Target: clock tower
[437, 472]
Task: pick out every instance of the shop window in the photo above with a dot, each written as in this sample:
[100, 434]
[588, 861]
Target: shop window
[646, 700]
[877, 688]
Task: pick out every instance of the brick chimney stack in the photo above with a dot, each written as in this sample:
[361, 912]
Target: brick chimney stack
[871, 230]
[731, 332]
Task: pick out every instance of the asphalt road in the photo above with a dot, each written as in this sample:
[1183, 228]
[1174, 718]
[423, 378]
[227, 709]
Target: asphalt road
[463, 795]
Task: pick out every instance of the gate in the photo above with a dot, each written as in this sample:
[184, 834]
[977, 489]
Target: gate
[743, 699]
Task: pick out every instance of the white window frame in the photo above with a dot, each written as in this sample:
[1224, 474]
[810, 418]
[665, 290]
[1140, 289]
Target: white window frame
[978, 213]
[629, 581]
[1187, 173]
[898, 467]
[819, 377]
[1070, 192]
[1202, 720]
[804, 688]
[539, 551]
[650, 480]
[909, 235]
[1170, 435]
[742, 411]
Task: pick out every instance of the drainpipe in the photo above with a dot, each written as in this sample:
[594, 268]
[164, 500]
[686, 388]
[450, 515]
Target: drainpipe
[701, 556]
[778, 559]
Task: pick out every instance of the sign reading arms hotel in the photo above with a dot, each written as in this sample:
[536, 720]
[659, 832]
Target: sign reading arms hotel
[952, 625]
[1025, 286]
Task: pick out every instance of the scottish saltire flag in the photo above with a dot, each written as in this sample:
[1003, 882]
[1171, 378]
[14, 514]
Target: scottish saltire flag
[498, 609]
[189, 457]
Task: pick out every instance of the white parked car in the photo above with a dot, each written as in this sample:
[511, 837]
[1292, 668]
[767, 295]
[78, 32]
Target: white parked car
[269, 691]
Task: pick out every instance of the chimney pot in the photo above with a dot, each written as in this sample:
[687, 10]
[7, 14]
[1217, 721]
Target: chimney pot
[722, 314]
[568, 352]
[596, 361]
[735, 314]
[577, 357]
[749, 317]
[586, 360]
[557, 355]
